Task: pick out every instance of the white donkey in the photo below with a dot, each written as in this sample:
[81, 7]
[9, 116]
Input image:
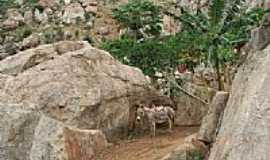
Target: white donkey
[155, 115]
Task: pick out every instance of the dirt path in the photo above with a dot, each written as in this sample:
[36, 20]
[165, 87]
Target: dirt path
[147, 148]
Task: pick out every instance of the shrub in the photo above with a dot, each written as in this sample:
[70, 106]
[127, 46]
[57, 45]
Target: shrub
[150, 55]
[141, 16]
[21, 32]
[6, 4]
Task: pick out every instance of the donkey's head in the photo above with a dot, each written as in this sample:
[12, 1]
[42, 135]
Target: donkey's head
[140, 113]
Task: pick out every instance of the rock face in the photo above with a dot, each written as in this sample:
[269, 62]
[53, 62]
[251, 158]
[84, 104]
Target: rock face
[28, 135]
[78, 85]
[245, 128]
[211, 121]
[261, 35]
[190, 111]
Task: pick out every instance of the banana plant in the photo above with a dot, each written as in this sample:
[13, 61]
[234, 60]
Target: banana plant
[226, 25]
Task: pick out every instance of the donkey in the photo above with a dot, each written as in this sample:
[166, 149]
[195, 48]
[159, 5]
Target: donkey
[155, 115]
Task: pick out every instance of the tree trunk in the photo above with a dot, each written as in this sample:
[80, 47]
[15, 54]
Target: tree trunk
[217, 67]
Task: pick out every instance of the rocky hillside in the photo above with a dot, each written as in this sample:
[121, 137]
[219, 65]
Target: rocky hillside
[26, 24]
[63, 99]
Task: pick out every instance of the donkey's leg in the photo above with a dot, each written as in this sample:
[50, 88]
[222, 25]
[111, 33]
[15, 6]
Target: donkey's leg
[141, 129]
[170, 125]
[154, 129]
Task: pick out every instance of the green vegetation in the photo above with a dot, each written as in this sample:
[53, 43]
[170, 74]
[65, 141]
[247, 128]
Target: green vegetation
[210, 38]
[6, 4]
[52, 34]
[31, 3]
[22, 32]
[150, 55]
[226, 27]
[195, 155]
[19, 33]
[140, 16]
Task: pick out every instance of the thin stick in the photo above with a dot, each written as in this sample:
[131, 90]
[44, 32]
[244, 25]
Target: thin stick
[189, 94]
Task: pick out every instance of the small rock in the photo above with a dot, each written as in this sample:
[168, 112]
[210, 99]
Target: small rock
[47, 3]
[28, 17]
[10, 24]
[11, 48]
[68, 35]
[86, 3]
[104, 30]
[48, 11]
[187, 150]
[14, 14]
[73, 13]
[68, 46]
[31, 41]
[91, 9]
[67, 2]
[40, 17]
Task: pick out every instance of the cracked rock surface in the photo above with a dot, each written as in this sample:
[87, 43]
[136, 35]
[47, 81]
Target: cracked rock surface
[74, 83]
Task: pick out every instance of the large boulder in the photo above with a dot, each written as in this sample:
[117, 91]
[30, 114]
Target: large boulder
[191, 148]
[245, 129]
[211, 121]
[18, 63]
[78, 85]
[28, 135]
[193, 105]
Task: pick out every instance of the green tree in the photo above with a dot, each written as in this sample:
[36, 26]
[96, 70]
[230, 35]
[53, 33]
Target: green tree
[151, 55]
[208, 37]
[226, 25]
[140, 16]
